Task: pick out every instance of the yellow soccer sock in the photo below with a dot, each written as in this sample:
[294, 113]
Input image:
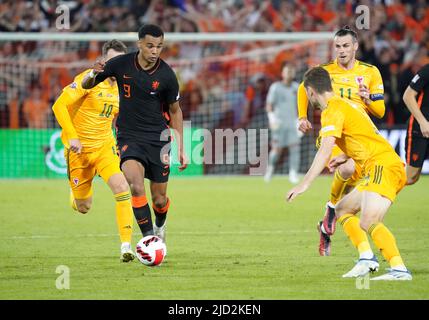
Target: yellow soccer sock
[124, 215]
[337, 187]
[386, 243]
[72, 202]
[355, 233]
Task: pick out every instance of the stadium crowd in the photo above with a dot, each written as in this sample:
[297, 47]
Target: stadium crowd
[397, 42]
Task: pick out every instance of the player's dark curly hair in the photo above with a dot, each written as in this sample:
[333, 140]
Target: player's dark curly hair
[151, 30]
[346, 30]
[318, 79]
[114, 44]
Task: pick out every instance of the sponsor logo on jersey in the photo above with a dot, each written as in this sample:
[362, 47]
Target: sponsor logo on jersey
[75, 181]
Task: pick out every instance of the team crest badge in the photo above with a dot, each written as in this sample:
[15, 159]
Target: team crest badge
[359, 80]
[155, 85]
[415, 156]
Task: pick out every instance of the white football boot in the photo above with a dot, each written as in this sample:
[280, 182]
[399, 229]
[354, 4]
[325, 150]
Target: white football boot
[362, 268]
[160, 231]
[127, 254]
[394, 275]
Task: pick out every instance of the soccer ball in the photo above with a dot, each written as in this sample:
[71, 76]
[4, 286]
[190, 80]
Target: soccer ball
[151, 251]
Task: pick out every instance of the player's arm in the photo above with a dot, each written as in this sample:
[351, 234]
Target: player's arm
[63, 117]
[332, 126]
[176, 117]
[100, 72]
[302, 100]
[319, 163]
[420, 80]
[373, 97]
[176, 122]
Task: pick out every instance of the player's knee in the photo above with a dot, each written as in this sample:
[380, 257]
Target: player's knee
[83, 207]
[347, 169]
[339, 210]
[137, 189]
[365, 224]
[120, 186]
[412, 179]
[159, 200]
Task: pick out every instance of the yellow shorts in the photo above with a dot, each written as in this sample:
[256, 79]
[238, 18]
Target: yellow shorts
[82, 168]
[384, 179]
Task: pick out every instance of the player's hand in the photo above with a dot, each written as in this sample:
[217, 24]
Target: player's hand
[294, 192]
[183, 161]
[304, 125]
[99, 66]
[364, 94]
[424, 128]
[335, 162]
[75, 145]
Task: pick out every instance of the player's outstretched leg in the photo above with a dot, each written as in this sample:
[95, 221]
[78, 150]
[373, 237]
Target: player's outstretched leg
[328, 225]
[346, 210]
[375, 208]
[124, 213]
[134, 173]
[124, 219]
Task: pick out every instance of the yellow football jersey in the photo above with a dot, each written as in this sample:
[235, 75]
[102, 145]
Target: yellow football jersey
[355, 133]
[91, 112]
[345, 84]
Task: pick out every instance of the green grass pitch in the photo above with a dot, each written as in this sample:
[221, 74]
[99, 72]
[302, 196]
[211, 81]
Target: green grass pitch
[228, 238]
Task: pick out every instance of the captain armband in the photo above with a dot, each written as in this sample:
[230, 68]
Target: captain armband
[376, 96]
